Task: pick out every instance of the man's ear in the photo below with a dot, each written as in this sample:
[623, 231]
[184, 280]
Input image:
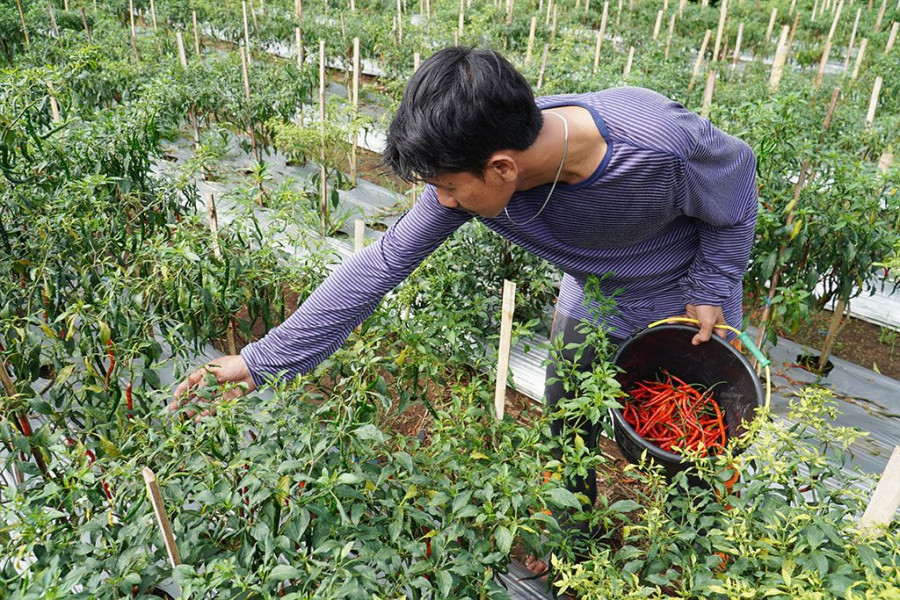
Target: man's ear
[504, 165]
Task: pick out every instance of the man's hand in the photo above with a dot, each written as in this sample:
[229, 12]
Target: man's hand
[228, 369]
[709, 316]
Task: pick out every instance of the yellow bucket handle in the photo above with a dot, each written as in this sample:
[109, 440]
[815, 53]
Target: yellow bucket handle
[745, 340]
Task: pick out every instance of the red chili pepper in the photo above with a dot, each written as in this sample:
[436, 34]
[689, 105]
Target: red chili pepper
[675, 415]
[128, 401]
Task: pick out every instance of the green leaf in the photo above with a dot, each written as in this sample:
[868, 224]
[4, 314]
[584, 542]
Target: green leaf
[444, 583]
[283, 572]
[369, 432]
[563, 498]
[504, 539]
[624, 506]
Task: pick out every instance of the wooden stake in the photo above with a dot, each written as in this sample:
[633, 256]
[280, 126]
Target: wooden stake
[737, 46]
[509, 11]
[245, 70]
[161, 518]
[628, 61]
[298, 35]
[681, 5]
[780, 58]
[553, 26]
[657, 25]
[835, 95]
[462, 18]
[587, 6]
[619, 11]
[885, 499]
[181, 55]
[531, 40]
[246, 30]
[153, 14]
[814, 10]
[600, 34]
[133, 34]
[708, 93]
[506, 319]
[820, 73]
[892, 38]
[196, 32]
[852, 39]
[354, 166]
[540, 80]
[212, 218]
[699, 62]
[723, 13]
[885, 162]
[549, 13]
[417, 61]
[54, 107]
[24, 26]
[670, 34]
[834, 22]
[400, 21]
[771, 26]
[860, 55]
[873, 102]
[359, 235]
[53, 20]
[880, 15]
[90, 38]
[66, 5]
[790, 43]
[793, 7]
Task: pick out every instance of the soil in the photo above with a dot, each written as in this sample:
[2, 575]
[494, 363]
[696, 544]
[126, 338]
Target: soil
[859, 342]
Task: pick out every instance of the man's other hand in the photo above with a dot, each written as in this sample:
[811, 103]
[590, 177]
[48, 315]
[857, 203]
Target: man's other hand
[227, 369]
[709, 316]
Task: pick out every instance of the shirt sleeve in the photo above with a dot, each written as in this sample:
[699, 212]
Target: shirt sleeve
[352, 292]
[720, 181]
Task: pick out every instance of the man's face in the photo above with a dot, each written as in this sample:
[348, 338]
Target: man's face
[485, 197]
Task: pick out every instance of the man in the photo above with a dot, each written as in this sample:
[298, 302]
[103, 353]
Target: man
[621, 182]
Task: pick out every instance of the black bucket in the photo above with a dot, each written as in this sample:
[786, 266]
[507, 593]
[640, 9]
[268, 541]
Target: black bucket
[647, 354]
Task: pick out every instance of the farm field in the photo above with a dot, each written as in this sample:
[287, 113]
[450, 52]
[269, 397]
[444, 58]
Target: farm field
[177, 176]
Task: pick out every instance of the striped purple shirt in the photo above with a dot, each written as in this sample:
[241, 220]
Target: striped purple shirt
[669, 215]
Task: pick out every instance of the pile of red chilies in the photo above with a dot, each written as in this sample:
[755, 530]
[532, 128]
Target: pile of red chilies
[675, 416]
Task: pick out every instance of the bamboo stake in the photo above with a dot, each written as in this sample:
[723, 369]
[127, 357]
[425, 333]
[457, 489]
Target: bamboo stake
[246, 30]
[657, 25]
[852, 39]
[323, 183]
[53, 20]
[778, 63]
[708, 93]
[181, 55]
[245, 71]
[553, 26]
[253, 16]
[90, 38]
[873, 102]
[196, 33]
[737, 46]
[540, 80]
[600, 34]
[699, 62]
[133, 34]
[790, 43]
[880, 15]
[354, 166]
[298, 10]
[771, 26]
[212, 218]
[859, 58]
[400, 21]
[161, 518]
[298, 35]
[723, 13]
[820, 73]
[885, 498]
[892, 38]
[530, 40]
[628, 61]
[670, 34]
[153, 14]
[24, 26]
[462, 17]
[506, 319]
[359, 235]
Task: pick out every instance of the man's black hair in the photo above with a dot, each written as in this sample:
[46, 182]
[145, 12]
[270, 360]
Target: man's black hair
[461, 106]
